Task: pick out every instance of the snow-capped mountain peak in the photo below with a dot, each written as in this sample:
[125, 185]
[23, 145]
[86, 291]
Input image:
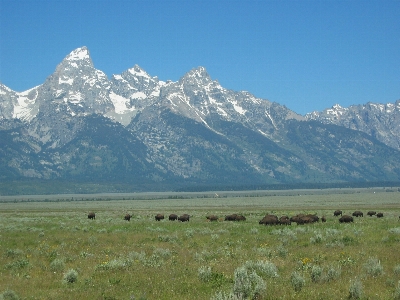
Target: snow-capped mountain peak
[79, 54]
[196, 76]
[138, 71]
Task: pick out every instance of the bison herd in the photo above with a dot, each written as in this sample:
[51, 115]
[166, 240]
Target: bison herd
[268, 219]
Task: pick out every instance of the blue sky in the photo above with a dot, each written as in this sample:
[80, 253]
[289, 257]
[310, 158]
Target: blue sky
[307, 55]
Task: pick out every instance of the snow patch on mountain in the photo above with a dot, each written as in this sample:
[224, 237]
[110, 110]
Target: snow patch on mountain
[79, 54]
[26, 108]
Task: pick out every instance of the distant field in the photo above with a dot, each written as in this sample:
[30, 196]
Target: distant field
[280, 199]
[49, 249]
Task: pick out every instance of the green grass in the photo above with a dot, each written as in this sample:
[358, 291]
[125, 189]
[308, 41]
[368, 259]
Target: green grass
[50, 250]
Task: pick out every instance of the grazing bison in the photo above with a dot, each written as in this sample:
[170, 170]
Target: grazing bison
[337, 213]
[240, 218]
[91, 216]
[269, 220]
[314, 218]
[323, 219]
[379, 215]
[371, 213]
[284, 220]
[127, 217]
[173, 217]
[231, 217]
[357, 213]
[346, 219]
[212, 218]
[159, 217]
[235, 217]
[301, 219]
[184, 218]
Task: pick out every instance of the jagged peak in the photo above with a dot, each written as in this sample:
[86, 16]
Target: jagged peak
[198, 72]
[138, 71]
[5, 88]
[81, 53]
[337, 106]
[198, 75]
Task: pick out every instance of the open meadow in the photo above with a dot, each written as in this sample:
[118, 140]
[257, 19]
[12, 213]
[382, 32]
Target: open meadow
[50, 249]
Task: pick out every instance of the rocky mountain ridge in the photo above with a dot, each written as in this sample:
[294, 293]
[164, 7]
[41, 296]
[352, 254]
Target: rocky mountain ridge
[79, 125]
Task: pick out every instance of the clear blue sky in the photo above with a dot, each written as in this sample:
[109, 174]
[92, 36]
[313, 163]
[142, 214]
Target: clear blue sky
[307, 55]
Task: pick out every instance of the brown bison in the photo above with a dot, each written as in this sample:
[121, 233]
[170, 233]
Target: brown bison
[231, 217]
[337, 213]
[346, 219]
[301, 219]
[269, 220]
[357, 213]
[240, 218]
[314, 218]
[184, 218]
[212, 218]
[323, 219]
[235, 217]
[284, 220]
[91, 216]
[127, 217]
[159, 217]
[173, 217]
[371, 213]
[379, 215]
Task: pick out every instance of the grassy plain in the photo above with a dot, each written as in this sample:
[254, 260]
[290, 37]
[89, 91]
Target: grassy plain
[50, 250]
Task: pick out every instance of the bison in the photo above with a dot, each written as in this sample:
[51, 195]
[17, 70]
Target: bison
[323, 219]
[184, 218]
[357, 213]
[231, 217]
[371, 213]
[212, 218]
[284, 220]
[337, 213]
[379, 215]
[127, 217]
[269, 220]
[235, 217]
[173, 217]
[314, 218]
[346, 219]
[240, 218]
[159, 217]
[91, 216]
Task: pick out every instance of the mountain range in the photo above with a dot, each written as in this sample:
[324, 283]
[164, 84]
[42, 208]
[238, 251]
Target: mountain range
[137, 132]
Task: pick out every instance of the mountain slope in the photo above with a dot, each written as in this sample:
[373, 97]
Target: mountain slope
[382, 121]
[80, 126]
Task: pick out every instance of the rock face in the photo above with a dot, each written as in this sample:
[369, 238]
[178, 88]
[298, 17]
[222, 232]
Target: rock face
[381, 121]
[79, 125]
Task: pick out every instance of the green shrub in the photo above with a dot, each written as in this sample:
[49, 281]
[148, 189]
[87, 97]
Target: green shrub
[225, 296]
[316, 239]
[71, 276]
[264, 267]
[396, 294]
[316, 273]
[373, 267]
[57, 265]
[14, 252]
[247, 285]
[356, 289]
[282, 251]
[396, 270]
[333, 274]
[297, 281]
[204, 273]
[9, 295]
[18, 264]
